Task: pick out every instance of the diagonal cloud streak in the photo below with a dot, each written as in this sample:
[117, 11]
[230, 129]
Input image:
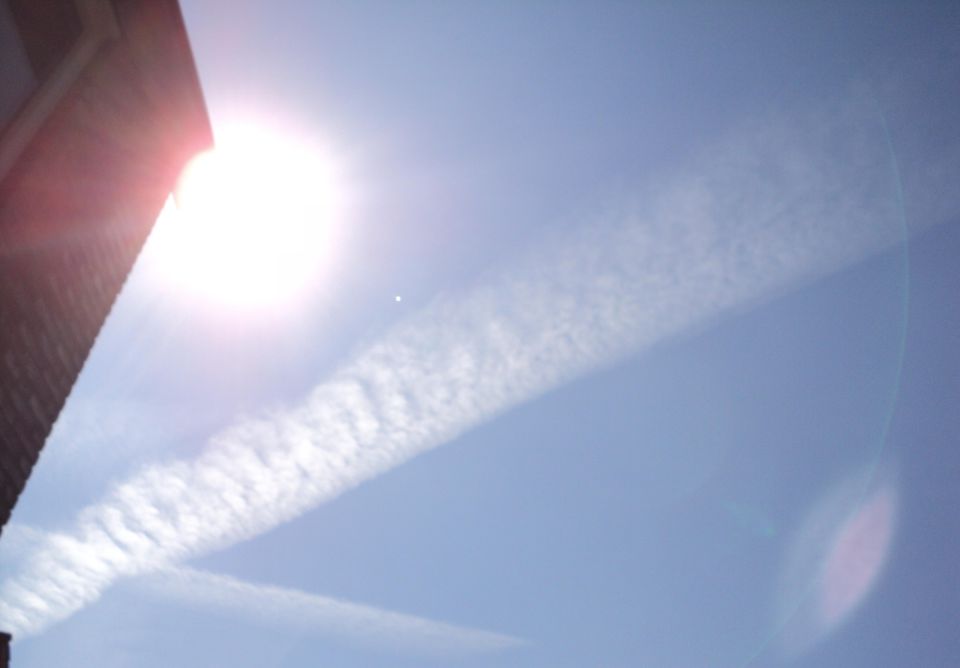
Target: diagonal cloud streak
[296, 611]
[783, 201]
[291, 610]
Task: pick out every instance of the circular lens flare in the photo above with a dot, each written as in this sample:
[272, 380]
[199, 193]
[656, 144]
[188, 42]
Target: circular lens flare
[856, 557]
[837, 558]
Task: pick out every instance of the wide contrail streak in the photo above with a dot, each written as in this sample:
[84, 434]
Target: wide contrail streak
[781, 202]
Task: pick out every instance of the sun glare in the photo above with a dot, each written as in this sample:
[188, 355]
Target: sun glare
[251, 223]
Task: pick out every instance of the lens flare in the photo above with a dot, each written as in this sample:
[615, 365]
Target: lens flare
[855, 558]
[836, 559]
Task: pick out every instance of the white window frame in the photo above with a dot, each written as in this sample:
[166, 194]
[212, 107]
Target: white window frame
[99, 26]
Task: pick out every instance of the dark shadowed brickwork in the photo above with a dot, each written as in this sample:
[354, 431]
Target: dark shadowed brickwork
[75, 209]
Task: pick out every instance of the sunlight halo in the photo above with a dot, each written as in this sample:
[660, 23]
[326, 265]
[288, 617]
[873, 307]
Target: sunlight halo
[251, 223]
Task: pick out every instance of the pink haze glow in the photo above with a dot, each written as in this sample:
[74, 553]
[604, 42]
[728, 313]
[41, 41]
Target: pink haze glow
[856, 558]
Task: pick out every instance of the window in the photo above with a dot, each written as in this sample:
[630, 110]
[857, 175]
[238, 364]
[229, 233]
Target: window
[17, 79]
[44, 46]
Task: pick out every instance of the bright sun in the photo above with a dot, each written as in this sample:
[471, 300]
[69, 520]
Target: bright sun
[251, 222]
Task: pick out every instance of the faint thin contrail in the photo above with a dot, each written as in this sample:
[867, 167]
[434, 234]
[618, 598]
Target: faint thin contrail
[781, 202]
[291, 610]
[299, 612]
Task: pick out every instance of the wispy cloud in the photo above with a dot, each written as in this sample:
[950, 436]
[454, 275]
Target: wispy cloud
[784, 200]
[96, 438]
[299, 612]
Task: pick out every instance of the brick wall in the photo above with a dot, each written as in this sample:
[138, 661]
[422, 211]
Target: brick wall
[75, 211]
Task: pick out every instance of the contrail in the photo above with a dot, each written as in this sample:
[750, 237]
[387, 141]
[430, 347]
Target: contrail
[782, 201]
[297, 611]
[290, 610]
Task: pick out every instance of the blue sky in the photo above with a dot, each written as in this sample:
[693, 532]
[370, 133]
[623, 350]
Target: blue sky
[670, 382]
